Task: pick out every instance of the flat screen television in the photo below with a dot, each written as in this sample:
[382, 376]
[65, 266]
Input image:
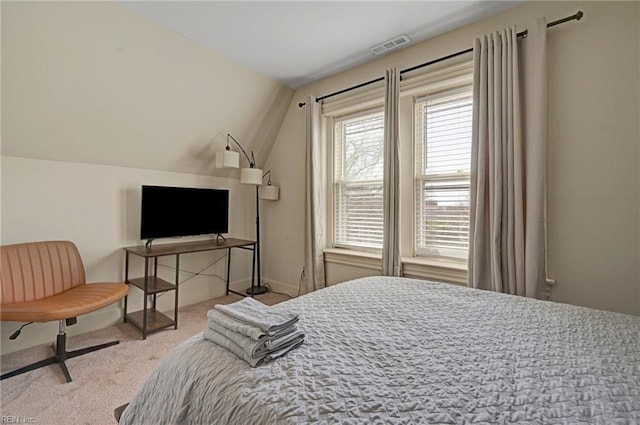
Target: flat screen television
[183, 211]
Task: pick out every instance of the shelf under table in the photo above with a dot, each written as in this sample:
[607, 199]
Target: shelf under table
[155, 284]
[155, 320]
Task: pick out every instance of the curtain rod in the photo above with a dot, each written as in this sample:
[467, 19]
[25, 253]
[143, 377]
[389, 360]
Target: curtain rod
[524, 33]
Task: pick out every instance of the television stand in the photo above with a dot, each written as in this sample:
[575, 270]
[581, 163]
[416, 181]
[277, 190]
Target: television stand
[149, 318]
[220, 237]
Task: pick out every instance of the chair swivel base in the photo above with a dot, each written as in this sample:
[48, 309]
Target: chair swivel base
[61, 354]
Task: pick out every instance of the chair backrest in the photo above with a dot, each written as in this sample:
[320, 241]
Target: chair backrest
[36, 270]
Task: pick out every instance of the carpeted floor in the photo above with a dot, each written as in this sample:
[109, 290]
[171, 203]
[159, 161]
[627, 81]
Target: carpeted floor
[102, 380]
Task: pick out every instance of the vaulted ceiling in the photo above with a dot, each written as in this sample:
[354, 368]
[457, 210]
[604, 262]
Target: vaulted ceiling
[299, 42]
[103, 83]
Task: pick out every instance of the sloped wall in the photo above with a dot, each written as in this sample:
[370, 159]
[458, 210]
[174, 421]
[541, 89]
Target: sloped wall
[91, 82]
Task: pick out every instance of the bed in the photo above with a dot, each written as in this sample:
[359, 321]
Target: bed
[404, 351]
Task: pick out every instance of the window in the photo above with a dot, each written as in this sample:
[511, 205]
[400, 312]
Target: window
[443, 159]
[435, 113]
[358, 173]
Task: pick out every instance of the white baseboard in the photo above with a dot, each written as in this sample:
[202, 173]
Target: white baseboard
[45, 332]
[286, 288]
[274, 285]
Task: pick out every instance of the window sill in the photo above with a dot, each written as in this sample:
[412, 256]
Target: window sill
[419, 267]
[443, 270]
[348, 257]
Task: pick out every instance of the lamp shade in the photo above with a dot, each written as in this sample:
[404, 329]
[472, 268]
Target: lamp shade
[251, 176]
[227, 159]
[270, 193]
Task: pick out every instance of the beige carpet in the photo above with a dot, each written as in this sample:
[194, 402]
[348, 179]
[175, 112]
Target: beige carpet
[102, 380]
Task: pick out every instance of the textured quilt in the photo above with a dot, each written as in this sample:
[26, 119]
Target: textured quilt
[401, 351]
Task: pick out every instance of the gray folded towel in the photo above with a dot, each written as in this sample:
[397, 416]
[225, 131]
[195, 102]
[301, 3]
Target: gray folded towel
[232, 346]
[263, 337]
[256, 314]
[218, 318]
[264, 345]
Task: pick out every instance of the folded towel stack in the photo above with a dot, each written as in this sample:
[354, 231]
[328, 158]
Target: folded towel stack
[253, 331]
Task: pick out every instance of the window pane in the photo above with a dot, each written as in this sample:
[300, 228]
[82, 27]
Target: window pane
[443, 220]
[359, 215]
[447, 134]
[443, 160]
[363, 148]
[358, 164]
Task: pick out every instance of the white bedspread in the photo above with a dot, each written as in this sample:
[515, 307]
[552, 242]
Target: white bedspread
[403, 351]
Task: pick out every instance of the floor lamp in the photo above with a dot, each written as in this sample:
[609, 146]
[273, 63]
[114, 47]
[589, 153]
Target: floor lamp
[252, 176]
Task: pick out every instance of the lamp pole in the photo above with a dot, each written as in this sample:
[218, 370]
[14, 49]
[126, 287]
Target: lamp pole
[258, 289]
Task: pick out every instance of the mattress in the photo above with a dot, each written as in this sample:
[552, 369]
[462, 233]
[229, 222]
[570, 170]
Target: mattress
[403, 351]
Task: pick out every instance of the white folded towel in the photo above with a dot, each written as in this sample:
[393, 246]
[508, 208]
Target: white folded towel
[236, 349]
[254, 313]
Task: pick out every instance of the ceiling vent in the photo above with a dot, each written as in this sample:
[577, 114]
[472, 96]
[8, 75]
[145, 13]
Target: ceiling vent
[390, 45]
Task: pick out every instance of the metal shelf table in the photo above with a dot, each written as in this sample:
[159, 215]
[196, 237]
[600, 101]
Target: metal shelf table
[149, 319]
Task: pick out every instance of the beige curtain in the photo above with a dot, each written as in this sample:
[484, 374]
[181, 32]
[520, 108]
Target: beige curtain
[314, 202]
[534, 91]
[391, 260]
[508, 163]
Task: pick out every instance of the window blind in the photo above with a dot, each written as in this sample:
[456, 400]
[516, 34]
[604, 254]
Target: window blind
[443, 158]
[358, 173]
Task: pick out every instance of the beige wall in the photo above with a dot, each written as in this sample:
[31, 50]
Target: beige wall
[98, 208]
[593, 163]
[91, 82]
[97, 101]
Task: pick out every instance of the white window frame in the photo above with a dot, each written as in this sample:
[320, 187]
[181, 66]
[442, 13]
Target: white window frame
[437, 78]
[443, 181]
[332, 123]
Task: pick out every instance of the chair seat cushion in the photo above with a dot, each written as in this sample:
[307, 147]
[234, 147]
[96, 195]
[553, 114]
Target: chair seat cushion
[79, 300]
